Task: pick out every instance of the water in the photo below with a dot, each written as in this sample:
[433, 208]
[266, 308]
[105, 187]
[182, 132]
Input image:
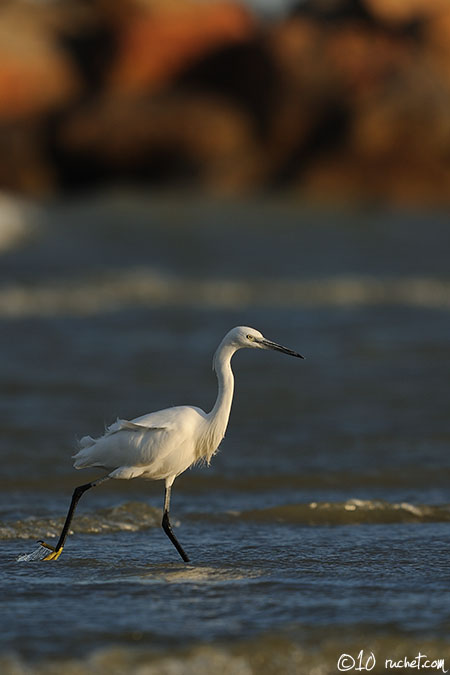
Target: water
[322, 525]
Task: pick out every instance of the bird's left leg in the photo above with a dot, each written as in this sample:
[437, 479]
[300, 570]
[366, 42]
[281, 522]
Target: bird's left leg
[55, 552]
[167, 527]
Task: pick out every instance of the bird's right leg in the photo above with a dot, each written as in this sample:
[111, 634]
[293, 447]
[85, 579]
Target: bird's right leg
[56, 551]
[167, 527]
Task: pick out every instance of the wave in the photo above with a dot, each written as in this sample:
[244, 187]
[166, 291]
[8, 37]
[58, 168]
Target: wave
[137, 516]
[144, 287]
[352, 511]
[128, 517]
[265, 654]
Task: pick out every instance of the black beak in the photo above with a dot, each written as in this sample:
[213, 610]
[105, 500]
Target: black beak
[278, 348]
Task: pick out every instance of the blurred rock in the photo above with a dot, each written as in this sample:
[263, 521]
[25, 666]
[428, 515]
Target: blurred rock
[364, 59]
[183, 139]
[310, 113]
[37, 78]
[343, 99]
[24, 163]
[403, 11]
[398, 148]
[437, 35]
[36, 75]
[334, 10]
[158, 41]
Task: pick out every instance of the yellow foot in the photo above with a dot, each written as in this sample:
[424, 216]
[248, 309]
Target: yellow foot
[54, 553]
[42, 552]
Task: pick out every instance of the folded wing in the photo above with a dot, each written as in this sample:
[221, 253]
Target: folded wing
[126, 449]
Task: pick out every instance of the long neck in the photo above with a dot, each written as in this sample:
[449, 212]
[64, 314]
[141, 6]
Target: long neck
[220, 414]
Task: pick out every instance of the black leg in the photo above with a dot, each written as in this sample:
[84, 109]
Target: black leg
[77, 494]
[167, 527]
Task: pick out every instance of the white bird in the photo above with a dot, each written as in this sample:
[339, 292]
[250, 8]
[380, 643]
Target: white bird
[161, 445]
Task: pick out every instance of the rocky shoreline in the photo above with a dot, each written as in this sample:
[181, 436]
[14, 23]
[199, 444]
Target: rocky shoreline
[340, 100]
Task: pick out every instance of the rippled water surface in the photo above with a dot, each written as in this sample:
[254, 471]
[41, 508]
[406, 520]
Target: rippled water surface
[322, 525]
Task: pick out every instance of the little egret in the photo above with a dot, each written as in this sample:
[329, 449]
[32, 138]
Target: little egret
[163, 444]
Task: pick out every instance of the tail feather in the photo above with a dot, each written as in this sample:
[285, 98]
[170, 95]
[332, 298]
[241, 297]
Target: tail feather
[86, 442]
[83, 455]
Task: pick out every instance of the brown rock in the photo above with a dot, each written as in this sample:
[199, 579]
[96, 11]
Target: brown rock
[402, 11]
[305, 87]
[35, 74]
[437, 31]
[399, 143]
[176, 138]
[411, 119]
[363, 59]
[156, 45]
[345, 179]
[24, 166]
[296, 45]
[437, 34]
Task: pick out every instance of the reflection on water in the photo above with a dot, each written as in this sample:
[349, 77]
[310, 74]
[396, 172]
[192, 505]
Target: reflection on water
[114, 308]
[201, 575]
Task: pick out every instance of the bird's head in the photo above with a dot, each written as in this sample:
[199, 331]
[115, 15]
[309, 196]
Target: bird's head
[244, 336]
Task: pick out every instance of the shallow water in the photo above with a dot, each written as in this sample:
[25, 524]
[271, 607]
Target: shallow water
[321, 526]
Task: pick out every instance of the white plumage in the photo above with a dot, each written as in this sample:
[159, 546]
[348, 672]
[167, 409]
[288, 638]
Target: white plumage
[158, 445]
[163, 444]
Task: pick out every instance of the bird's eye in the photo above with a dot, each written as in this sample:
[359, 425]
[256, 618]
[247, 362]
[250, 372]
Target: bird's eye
[250, 337]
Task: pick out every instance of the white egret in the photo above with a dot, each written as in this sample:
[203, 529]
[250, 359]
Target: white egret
[161, 445]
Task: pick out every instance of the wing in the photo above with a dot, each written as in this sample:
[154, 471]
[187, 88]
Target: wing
[121, 425]
[124, 445]
[156, 445]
